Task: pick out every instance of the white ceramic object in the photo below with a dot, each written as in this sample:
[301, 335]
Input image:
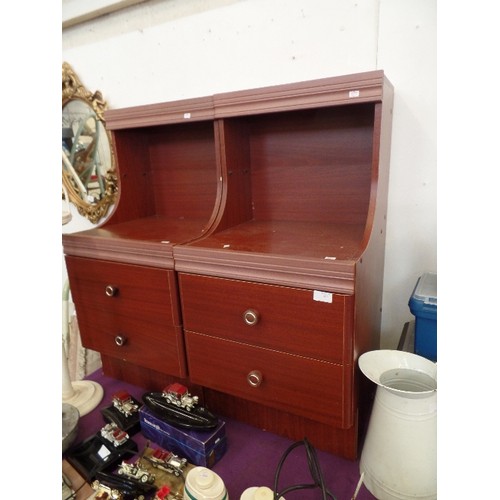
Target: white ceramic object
[85, 395]
[258, 493]
[398, 460]
[204, 484]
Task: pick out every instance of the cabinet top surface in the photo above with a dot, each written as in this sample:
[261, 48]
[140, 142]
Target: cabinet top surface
[346, 89]
[326, 241]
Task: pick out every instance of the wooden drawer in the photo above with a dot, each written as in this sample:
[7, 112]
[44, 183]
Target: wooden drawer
[283, 318]
[319, 391]
[142, 310]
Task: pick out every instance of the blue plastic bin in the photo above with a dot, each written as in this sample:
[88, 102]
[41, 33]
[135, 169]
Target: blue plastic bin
[423, 305]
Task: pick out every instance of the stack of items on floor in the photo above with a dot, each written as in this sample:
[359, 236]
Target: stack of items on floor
[187, 440]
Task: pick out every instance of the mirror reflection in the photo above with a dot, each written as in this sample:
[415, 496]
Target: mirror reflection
[86, 150]
[87, 157]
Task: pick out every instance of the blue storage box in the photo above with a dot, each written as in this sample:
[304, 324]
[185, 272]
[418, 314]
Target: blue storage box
[423, 305]
[203, 448]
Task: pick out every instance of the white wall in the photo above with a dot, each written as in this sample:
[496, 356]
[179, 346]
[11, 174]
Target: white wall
[163, 50]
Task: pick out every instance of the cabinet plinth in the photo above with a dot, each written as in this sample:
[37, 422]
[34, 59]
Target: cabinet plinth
[257, 218]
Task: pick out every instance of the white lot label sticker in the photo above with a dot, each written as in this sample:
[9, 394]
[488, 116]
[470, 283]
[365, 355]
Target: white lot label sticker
[353, 93]
[323, 296]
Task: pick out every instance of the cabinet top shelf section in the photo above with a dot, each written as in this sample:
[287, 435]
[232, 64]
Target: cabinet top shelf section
[186, 110]
[284, 184]
[148, 241]
[325, 92]
[333, 91]
[305, 171]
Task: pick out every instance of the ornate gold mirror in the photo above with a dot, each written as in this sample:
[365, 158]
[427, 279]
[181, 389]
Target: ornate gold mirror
[88, 166]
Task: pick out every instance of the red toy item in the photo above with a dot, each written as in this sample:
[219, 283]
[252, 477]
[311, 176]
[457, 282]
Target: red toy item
[162, 493]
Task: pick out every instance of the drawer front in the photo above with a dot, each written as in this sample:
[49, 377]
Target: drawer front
[137, 320]
[276, 317]
[313, 389]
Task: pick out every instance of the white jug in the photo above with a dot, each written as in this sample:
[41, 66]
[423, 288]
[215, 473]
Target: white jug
[398, 461]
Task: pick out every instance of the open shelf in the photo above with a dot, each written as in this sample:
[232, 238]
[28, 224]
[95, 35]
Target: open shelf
[298, 199]
[319, 240]
[168, 181]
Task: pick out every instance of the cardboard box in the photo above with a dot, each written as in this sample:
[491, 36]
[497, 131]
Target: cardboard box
[423, 305]
[203, 448]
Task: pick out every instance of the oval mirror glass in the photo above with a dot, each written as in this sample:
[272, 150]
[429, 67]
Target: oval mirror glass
[88, 168]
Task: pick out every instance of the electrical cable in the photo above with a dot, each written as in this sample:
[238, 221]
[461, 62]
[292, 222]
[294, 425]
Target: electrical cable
[314, 469]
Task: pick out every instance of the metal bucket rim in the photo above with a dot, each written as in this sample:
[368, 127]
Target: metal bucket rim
[374, 364]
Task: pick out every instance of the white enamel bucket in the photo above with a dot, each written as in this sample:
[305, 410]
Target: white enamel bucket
[398, 460]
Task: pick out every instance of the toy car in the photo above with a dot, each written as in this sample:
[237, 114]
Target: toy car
[167, 461]
[176, 406]
[123, 412]
[114, 434]
[135, 471]
[125, 403]
[105, 492]
[98, 452]
[129, 489]
[178, 394]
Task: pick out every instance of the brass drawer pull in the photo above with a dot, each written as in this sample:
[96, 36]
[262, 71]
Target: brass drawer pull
[254, 378]
[251, 317]
[111, 290]
[120, 340]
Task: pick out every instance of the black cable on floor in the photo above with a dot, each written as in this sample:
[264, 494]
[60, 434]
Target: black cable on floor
[314, 469]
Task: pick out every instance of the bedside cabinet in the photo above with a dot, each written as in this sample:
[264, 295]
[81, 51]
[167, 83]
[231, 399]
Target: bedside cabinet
[260, 216]
[121, 274]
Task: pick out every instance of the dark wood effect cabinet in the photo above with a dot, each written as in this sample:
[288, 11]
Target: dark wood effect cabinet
[258, 219]
[129, 312]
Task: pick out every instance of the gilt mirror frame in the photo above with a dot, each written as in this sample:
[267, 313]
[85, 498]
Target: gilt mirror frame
[88, 163]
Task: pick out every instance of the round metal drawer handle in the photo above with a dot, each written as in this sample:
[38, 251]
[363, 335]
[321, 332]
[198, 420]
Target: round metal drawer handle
[251, 317]
[120, 340]
[254, 378]
[111, 290]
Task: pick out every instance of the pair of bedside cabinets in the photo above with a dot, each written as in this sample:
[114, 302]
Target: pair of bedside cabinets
[244, 255]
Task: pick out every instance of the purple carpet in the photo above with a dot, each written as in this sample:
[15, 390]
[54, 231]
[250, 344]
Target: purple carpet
[252, 455]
